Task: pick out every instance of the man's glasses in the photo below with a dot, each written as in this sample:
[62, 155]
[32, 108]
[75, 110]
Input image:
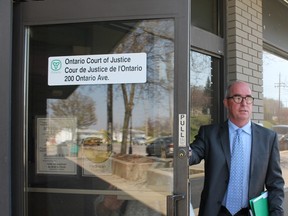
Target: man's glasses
[238, 99]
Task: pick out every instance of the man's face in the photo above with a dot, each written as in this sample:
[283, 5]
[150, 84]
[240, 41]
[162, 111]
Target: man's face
[239, 113]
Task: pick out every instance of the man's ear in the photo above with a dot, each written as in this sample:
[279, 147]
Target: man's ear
[225, 102]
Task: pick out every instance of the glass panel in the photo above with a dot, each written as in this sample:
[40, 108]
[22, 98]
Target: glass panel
[275, 89]
[203, 90]
[275, 23]
[102, 148]
[204, 15]
[275, 80]
[204, 76]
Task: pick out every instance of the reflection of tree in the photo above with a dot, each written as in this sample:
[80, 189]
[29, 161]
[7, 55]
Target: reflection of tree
[110, 112]
[77, 105]
[156, 39]
[273, 114]
[128, 103]
[200, 66]
[274, 110]
[270, 109]
[160, 127]
[201, 99]
[283, 116]
[201, 91]
[207, 97]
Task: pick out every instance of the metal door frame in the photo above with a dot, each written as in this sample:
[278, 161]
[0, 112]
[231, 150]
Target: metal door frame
[54, 12]
[5, 98]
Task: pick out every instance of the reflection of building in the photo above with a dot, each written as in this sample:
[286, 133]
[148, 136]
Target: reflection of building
[117, 136]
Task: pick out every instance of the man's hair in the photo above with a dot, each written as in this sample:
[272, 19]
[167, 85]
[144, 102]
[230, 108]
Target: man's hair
[227, 92]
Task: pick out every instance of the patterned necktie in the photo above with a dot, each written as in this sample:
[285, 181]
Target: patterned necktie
[235, 186]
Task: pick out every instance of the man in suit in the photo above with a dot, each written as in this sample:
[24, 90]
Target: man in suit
[260, 161]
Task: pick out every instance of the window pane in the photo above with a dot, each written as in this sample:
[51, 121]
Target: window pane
[204, 72]
[275, 80]
[275, 23]
[204, 15]
[275, 92]
[204, 93]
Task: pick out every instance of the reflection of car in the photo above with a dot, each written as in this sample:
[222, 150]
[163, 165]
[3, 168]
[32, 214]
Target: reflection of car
[91, 141]
[161, 147]
[281, 130]
[283, 142]
[139, 140]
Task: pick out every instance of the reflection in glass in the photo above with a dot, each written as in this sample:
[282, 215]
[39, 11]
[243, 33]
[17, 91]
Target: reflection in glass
[121, 142]
[275, 82]
[201, 90]
[204, 73]
[204, 15]
[275, 89]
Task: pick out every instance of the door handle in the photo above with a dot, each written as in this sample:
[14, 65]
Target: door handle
[171, 203]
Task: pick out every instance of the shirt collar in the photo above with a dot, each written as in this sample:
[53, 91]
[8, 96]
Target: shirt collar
[246, 128]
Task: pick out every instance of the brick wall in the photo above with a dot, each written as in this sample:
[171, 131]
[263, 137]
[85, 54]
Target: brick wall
[244, 48]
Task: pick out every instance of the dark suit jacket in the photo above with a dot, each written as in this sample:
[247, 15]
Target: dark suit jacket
[212, 145]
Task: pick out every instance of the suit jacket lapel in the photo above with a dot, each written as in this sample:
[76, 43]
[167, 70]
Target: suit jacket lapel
[224, 137]
[255, 148]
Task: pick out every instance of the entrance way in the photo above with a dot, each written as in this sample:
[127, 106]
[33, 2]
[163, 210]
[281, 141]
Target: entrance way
[98, 139]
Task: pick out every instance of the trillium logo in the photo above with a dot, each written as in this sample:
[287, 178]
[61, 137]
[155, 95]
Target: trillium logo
[56, 65]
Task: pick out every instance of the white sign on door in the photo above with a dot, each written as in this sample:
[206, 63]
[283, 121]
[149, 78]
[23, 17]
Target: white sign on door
[182, 130]
[97, 69]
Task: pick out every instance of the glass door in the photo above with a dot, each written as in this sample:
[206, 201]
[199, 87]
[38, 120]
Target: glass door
[102, 134]
[102, 141]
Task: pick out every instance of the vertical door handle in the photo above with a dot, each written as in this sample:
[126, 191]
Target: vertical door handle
[171, 203]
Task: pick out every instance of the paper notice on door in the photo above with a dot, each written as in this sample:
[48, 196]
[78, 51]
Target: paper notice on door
[56, 143]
